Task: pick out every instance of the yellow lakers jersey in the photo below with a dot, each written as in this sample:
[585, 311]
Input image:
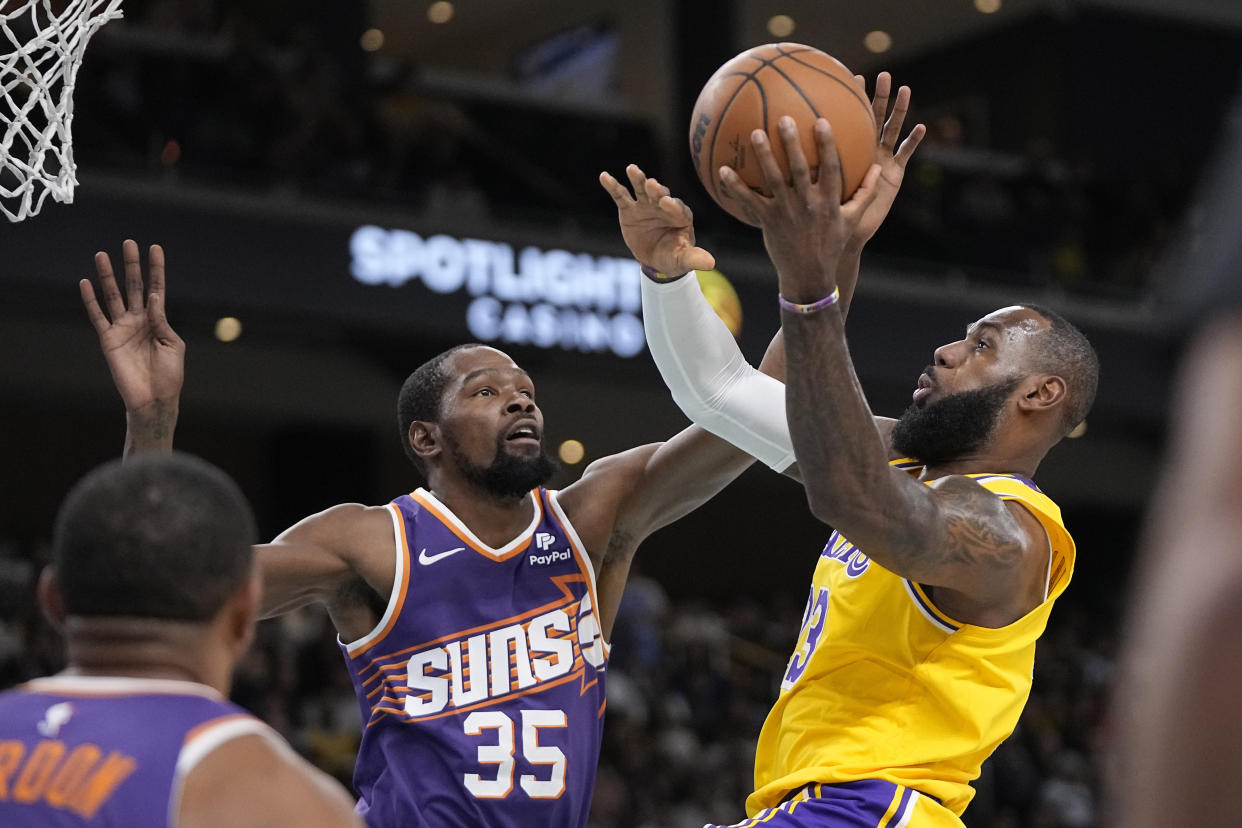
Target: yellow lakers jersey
[882, 685]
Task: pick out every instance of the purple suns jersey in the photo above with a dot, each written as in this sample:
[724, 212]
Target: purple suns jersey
[482, 687]
[104, 751]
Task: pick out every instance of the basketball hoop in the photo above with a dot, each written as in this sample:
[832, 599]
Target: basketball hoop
[41, 48]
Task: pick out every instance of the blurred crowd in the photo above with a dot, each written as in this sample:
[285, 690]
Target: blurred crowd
[1031, 218]
[248, 95]
[689, 685]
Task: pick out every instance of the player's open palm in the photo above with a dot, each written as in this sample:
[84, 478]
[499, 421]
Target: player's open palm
[805, 226]
[891, 157]
[144, 354]
[658, 229]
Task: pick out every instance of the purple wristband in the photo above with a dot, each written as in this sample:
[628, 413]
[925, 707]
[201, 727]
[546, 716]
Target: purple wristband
[793, 307]
[656, 276]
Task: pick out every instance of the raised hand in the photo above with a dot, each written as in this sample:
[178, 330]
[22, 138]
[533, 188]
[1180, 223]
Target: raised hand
[891, 157]
[658, 229]
[144, 353]
[805, 225]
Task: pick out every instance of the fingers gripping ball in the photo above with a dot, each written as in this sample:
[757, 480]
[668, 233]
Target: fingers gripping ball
[753, 90]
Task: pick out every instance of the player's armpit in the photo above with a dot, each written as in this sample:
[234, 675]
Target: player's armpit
[256, 781]
[593, 502]
[636, 492]
[622, 499]
[324, 555]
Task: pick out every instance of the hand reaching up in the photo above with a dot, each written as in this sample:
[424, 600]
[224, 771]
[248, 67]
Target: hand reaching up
[658, 228]
[144, 353]
[891, 157]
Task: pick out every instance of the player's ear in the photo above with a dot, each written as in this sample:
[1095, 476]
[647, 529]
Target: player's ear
[50, 598]
[425, 439]
[243, 610]
[1042, 392]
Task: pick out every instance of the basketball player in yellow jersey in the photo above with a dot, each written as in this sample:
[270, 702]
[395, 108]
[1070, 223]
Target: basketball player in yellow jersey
[915, 654]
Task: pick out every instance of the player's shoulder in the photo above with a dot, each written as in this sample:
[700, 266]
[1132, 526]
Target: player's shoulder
[982, 496]
[1016, 489]
[353, 512]
[608, 478]
[1015, 495]
[593, 502]
[255, 779]
[998, 483]
[345, 520]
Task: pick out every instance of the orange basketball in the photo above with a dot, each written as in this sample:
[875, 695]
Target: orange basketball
[753, 90]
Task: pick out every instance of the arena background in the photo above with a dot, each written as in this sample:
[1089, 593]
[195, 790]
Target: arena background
[254, 139]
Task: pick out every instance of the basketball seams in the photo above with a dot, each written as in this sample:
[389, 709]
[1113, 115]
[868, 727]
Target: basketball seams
[750, 67]
[770, 62]
[749, 77]
[810, 105]
[849, 87]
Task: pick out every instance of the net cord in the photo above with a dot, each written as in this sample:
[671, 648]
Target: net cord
[38, 73]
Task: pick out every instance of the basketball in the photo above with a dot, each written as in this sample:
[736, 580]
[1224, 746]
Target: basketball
[753, 90]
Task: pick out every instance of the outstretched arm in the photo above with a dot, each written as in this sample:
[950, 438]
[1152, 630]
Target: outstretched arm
[144, 353]
[623, 498]
[343, 557]
[696, 354]
[698, 358]
[316, 561]
[955, 534]
[892, 159]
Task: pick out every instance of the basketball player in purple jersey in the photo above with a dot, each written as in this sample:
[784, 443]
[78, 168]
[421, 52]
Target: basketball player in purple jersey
[473, 614]
[153, 584]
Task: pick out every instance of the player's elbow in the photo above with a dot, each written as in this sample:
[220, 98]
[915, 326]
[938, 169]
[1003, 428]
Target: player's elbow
[831, 508]
[851, 511]
[693, 403]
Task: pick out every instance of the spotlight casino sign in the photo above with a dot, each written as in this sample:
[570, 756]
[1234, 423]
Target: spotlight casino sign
[529, 296]
[251, 260]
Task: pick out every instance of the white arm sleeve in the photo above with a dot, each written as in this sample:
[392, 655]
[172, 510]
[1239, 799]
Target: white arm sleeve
[710, 379]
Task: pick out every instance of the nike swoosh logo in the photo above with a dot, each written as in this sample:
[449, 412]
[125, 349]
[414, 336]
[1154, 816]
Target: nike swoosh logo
[425, 559]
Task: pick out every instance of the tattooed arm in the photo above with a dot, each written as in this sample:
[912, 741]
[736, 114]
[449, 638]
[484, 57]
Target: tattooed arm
[987, 559]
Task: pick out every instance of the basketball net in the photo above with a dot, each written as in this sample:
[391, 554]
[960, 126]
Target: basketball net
[41, 48]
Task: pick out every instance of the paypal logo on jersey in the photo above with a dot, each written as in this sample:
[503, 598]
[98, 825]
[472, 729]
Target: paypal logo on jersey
[839, 549]
[543, 540]
[550, 558]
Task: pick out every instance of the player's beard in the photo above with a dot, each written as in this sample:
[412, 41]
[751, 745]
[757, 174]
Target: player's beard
[508, 475]
[953, 426]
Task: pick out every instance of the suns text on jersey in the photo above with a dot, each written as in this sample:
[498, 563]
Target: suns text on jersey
[503, 660]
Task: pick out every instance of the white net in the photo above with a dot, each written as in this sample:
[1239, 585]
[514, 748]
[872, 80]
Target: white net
[41, 48]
